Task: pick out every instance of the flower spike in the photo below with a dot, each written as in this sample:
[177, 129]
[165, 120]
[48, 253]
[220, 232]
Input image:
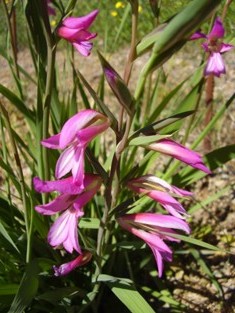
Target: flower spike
[74, 137]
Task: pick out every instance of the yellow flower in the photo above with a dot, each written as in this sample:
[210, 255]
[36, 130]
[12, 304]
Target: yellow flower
[119, 5]
[114, 13]
[53, 22]
[140, 9]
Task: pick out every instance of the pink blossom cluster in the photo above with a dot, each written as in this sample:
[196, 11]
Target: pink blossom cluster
[76, 190]
[156, 228]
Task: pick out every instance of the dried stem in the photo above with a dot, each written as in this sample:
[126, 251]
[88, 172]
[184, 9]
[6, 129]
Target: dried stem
[225, 9]
[12, 32]
[209, 108]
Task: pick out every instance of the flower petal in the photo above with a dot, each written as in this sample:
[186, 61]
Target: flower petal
[225, 47]
[157, 220]
[217, 30]
[64, 231]
[65, 185]
[150, 183]
[159, 257]
[60, 203]
[78, 166]
[82, 22]
[180, 152]
[87, 134]
[197, 35]
[52, 142]
[77, 122]
[84, 47]
[215, 65]
[66, 268]
[88, 194]
[74, 35]
[65, 162]
[168, 202]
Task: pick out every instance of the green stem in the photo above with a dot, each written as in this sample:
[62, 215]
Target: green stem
[47, 105]
[51, 53]
[112, 187]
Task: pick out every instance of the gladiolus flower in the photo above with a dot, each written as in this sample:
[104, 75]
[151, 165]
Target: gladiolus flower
[180, 152]
[162, 192]
[154, 229]
[214, 46]
[66, 268]
[74, 137]
[74, 29]
[64, 230]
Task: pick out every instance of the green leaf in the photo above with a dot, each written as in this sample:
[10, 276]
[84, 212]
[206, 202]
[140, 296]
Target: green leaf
[5, 234]
[148, 41]
[189, 103]
[125, 17]
[208, 200]
[8, 289]
[180, 26]
[91, 223]
[125, 291]
[18, 103]
[98, 101]
[58, 294]
[11, 174]
[212, 123]
[145, 140]
[28, 288]
[162, 124]
[194, 241]
[164, 102]
[195, 253]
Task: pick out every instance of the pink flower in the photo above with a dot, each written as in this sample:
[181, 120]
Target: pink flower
[215, 47]
[50, 10]
[74, 29]
[64, 229]
[180, 152]
[162, 192]
[66, 268]
[74, 137]
[154, 229]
